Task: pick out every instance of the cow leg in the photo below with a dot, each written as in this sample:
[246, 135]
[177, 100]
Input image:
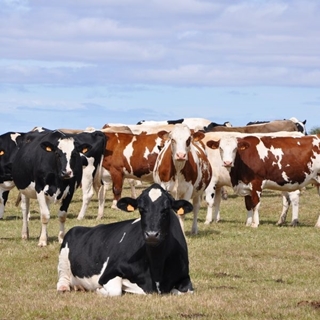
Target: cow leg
[64, 271]
[224, 193]
[112, 288]
[25, 204]
[285, 208]
[117, 185]
[3, 200]
[295, 198]
[87, 190]
[44, 204]
[101, 199]
[132, 184]
[255, 197]
[196, 207]
[248, 204]
[62, 215]
[210, 194]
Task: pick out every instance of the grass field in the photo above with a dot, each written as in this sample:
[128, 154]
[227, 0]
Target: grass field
[238, 272]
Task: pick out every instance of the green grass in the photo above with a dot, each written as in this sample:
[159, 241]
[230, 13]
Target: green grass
[238, 272]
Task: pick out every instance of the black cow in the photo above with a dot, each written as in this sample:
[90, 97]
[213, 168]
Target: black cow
[48, 168]
[9, 144]
[140, 256]
[92, 167]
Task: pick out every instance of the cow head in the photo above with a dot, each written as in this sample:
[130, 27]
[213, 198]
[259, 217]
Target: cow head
[66, 154]
[180, 139]
[228, 147]
[155, 205]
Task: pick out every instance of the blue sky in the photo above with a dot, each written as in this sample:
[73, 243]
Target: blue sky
[77, 63]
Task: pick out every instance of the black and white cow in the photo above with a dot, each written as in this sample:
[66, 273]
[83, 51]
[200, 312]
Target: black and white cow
[139, 256]
[48, 168]
[9, 144]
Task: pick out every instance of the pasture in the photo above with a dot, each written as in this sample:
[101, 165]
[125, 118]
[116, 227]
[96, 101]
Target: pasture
[238, 272]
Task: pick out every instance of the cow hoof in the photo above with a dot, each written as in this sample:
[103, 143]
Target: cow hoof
[254, 225]
[294, 223]
[207, 222]
[42, 244]
[63, 289]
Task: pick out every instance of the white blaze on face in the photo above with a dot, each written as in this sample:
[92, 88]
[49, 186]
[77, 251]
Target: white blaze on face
[228, 149]
[67, 146]
[154, 194]
[179, 136]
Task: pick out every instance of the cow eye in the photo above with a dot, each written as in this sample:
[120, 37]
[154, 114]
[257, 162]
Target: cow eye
[188, 141]
[48, 149]
[1, 153]
[84, 150]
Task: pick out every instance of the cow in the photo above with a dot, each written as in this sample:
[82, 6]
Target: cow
[92, 164]
[48, 168]
[9, 145]
[266, 162]
[141, 256]
[300, 125]
[272, 126]
[182, 167]
[130, 156]
[192, 123]
[221, 177]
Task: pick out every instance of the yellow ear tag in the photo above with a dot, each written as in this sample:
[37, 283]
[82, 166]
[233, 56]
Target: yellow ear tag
[180, 211]
[84, 150]
[48, 149]
[1, 153]
[130, 207]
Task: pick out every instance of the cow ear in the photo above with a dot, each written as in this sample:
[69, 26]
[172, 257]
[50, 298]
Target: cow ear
[164, 135]
[182, 207]
[47, 146]
[243, 145]
[127, 204]
[197, 136]
[213, 144]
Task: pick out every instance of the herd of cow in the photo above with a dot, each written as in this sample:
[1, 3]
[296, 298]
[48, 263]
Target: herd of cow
[182, 160]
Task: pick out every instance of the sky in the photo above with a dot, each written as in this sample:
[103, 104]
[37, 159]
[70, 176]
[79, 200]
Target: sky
[79, 63]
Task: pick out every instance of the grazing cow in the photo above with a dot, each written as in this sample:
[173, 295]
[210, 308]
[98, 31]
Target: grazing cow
[300, 125]
[48, 168]
[129, 156]
[183, 168]
[277, 163]
[272, 126]
[221, 177]
[139, 256]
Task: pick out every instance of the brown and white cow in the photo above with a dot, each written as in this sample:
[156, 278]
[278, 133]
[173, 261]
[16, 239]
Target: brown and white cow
[221, 178]
[277, 163]
[272, 126]
[182, 167]
[129, 155]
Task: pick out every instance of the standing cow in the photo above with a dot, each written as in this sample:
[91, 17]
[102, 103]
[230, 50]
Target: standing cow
[277, 163]
[139, 256]
[48, 168]
[182, 167]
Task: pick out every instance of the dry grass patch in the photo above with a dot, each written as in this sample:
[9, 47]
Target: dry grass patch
[238, 272]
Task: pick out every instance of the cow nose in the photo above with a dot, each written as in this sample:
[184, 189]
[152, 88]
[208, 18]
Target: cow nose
[152, 237]
[66, 174]
[181, 156]
[227, 163]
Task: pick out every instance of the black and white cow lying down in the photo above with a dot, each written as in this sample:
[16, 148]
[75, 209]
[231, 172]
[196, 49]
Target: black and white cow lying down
[139, 256]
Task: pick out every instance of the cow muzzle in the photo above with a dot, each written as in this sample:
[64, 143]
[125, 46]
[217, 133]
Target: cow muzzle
[152, 238]
[66, 175]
